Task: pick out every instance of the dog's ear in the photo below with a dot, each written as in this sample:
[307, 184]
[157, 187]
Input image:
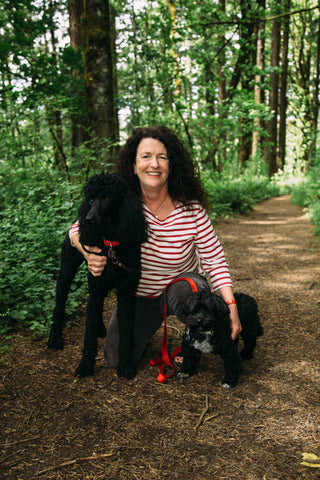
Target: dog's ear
[217, 305]
[132, 226]
[190, 304]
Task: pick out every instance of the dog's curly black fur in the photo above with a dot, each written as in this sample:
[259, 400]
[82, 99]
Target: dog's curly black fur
[208, 330]
[111, 212]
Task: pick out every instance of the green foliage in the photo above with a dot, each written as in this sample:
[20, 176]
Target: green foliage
[307, 194]
[237, 195]
[34, 221]
[314, 211]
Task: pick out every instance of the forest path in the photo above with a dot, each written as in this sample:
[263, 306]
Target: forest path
[53, 426]
[273, 254]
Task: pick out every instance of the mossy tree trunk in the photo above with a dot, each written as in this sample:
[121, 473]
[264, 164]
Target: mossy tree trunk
[99, 81]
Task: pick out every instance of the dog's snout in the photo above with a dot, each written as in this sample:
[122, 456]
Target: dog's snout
[93, 216]
[90, 218]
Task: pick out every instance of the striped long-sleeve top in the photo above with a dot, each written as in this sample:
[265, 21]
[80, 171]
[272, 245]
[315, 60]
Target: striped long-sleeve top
[184, 242]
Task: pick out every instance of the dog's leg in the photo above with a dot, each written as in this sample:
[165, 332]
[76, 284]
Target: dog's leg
[97, 293]
[250, 321]
[251, 329]
[249, 341]
[71, 260]
[191, 357]
[125, 313]
[231, 362]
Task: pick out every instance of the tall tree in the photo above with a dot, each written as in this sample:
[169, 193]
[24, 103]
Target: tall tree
[283, 87]
[78, 115]
[270, 150]
[316, 104]
[259, 78]
[246, 64]
[99, 79]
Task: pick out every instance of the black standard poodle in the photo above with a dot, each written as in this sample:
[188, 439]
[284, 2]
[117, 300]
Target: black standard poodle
[111, 218]
[208, 331]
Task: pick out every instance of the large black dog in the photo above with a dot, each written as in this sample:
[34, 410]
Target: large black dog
[111, 218]
[208, 330]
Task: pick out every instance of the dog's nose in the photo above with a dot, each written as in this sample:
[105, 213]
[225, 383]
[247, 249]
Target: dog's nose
[90, 219]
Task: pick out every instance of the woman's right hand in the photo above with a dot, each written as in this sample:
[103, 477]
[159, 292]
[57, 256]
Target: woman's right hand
[96, 263]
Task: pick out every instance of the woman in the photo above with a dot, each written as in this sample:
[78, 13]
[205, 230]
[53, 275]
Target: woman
[181, 240]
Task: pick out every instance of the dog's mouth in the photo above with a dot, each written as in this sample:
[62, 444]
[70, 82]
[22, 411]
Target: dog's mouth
[203, 341]
[194, 330]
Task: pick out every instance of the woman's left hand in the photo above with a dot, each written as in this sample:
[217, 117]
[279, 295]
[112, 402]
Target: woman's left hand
[235, 321]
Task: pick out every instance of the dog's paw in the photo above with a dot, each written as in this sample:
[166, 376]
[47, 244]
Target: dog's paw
[84, 369]
[226, 385]
[55, 342]
[182, 375]
[229, 382]
[128, 372]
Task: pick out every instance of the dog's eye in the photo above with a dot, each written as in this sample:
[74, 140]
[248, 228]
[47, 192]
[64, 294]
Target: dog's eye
[91, 200]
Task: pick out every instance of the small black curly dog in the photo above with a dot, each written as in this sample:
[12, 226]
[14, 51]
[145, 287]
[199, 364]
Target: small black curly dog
[208, 330]
[111, 218]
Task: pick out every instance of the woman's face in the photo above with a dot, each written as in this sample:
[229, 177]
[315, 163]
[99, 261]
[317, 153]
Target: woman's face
[152, 165]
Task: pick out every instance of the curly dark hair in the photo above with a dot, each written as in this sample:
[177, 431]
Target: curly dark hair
[184, 183]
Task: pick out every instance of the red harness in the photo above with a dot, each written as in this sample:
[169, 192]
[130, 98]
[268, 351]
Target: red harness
[164, 359]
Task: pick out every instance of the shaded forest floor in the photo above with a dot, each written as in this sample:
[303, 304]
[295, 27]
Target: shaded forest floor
[56, 427]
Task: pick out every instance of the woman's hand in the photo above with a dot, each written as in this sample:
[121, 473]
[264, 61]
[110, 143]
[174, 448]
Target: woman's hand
[96, 263]
[235, 321]
[235, 324]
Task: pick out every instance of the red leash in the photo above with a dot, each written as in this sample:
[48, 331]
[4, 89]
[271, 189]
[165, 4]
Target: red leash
[164, 359]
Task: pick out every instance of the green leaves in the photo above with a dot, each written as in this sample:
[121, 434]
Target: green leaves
[236, 196]
[33, 225]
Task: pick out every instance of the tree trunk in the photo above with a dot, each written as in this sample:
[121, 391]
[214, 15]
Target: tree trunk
[258, 91]
[222, 94]
[247, 62]
[54, 115]
[99, 79]
[79, 118]
[283, 88]
[270, 151]
[314, 123]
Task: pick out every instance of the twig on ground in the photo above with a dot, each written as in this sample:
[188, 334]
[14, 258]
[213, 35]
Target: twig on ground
[3, 460]
[312, 284]
[211, 417]
[206, 408]
[72, 462]
[12, 444]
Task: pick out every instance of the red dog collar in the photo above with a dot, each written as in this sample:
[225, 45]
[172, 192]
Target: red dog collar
[108, 243]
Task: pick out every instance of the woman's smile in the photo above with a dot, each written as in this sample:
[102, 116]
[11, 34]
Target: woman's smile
[152, 165]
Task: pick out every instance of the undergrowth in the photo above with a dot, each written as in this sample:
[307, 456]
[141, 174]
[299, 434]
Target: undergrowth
[307, 194]
[34, 220]
[239, 195]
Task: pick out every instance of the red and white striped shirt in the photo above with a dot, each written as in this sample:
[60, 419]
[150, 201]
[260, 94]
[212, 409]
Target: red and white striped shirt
[184, 242]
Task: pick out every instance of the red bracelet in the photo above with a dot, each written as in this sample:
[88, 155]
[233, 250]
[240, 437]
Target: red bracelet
[229, 302]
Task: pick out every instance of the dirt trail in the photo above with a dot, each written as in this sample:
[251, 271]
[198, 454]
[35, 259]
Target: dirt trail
[54, 427]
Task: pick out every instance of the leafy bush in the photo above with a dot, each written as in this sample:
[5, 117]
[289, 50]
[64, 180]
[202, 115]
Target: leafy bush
[307, 194]
[231, 196]
[34, 222]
